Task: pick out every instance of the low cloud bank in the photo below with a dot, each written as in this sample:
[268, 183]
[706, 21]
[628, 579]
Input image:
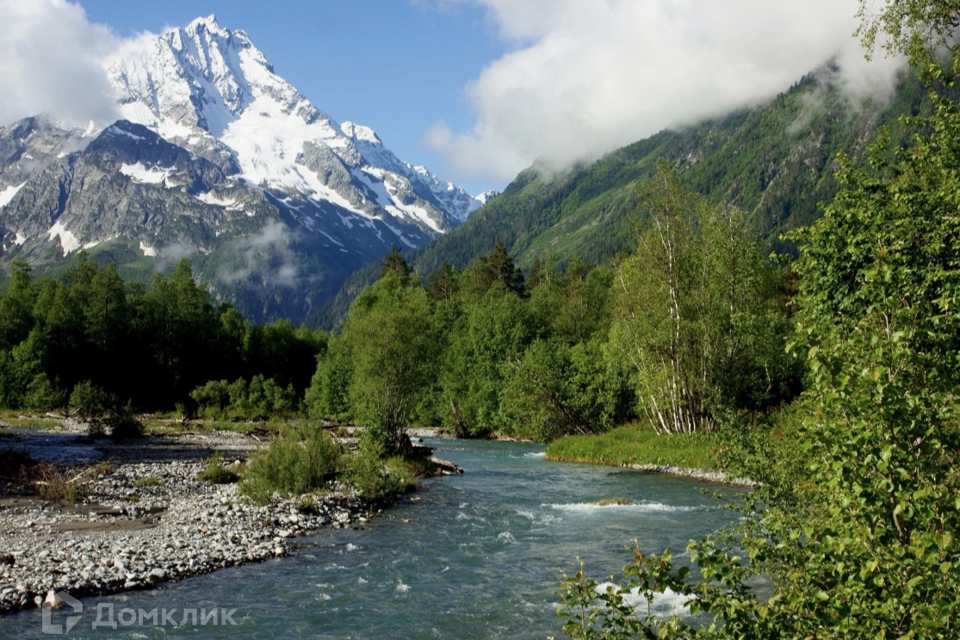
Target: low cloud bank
[589, 76]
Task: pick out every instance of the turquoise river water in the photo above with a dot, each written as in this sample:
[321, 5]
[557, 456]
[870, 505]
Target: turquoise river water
[481, 557]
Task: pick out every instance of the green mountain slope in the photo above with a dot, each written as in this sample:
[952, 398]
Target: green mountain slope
[775, 161]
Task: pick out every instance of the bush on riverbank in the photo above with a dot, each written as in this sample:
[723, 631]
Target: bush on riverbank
[300, 460]
[636, 444]
[379, 480]
[304, 459]
[105, 413]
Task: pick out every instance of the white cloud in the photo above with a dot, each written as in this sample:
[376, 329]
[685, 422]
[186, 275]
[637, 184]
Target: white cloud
[265, 252]
[50, 63]
[588, 76]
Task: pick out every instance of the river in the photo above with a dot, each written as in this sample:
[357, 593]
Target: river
[472, 556]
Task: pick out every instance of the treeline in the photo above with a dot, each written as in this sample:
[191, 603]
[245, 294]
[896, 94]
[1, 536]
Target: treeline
[148, 347]
[690, 327]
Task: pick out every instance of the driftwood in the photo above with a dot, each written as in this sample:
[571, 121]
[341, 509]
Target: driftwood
[446, 468]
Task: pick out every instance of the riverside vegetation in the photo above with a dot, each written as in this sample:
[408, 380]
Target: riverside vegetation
[853, 534]
[689, 327]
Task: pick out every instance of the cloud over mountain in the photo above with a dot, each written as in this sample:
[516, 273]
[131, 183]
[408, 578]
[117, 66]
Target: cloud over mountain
[50, 62]
[588, 76]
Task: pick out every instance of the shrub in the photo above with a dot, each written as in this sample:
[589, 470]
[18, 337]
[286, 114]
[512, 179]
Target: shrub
[43, 395]
[216, 472]
[375, 480]
[104, 413]
[213, 399]
[90, 403]
[50, 483]
[123, 425]
[300, 460]
[260, 399]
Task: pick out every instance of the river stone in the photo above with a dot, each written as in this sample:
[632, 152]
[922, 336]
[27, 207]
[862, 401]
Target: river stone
[53, 600]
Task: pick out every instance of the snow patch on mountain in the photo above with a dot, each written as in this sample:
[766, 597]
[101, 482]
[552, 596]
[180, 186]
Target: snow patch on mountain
[7, 195]
[68, 241]
[486, 196]
[138, 173]
[230, 204]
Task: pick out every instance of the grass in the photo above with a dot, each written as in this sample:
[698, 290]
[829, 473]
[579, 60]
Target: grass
[216, 472]
[49, 481]
[173, 426]
[22, 420]
[635, 444]
[149, 481]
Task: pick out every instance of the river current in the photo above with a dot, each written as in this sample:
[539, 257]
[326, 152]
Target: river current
[477, 556]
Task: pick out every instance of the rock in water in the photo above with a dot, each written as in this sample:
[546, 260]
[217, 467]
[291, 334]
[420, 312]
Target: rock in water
[53, 600]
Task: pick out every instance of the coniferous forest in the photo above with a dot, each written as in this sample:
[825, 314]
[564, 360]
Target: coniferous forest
[143, 347]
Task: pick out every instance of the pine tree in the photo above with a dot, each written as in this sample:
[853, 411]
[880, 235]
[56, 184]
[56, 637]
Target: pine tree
[505, 269]
[395, 263]
[442, 283]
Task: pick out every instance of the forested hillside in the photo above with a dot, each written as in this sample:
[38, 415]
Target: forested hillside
[853, 531]
[775, 162]
[89, 338]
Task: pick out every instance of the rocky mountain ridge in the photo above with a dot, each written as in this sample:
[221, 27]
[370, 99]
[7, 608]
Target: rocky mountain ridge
[216, 158]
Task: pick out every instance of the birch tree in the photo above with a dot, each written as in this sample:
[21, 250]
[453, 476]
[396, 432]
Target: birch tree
[695, 311]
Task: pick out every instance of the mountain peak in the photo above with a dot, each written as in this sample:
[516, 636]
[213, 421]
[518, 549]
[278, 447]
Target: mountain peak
[359, 132]
[211, 89]
[209, 23]
[486, 196]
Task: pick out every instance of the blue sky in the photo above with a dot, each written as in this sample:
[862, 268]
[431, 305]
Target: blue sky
[477, 90]
[388, 64]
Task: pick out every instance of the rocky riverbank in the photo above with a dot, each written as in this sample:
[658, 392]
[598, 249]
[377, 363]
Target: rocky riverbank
[716, 477]
[144, 518]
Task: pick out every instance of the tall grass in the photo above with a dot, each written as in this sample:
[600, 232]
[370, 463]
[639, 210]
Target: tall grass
[217, 472]
[51, 483]
[636, 444]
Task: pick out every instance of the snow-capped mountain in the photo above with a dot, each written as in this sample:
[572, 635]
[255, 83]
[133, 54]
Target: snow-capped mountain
[218, 158]
[211, 90]
[486, 196]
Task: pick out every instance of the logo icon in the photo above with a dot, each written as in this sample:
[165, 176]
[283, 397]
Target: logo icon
[57, 600]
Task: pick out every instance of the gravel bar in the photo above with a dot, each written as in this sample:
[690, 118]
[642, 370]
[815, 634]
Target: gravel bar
[148, 520]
